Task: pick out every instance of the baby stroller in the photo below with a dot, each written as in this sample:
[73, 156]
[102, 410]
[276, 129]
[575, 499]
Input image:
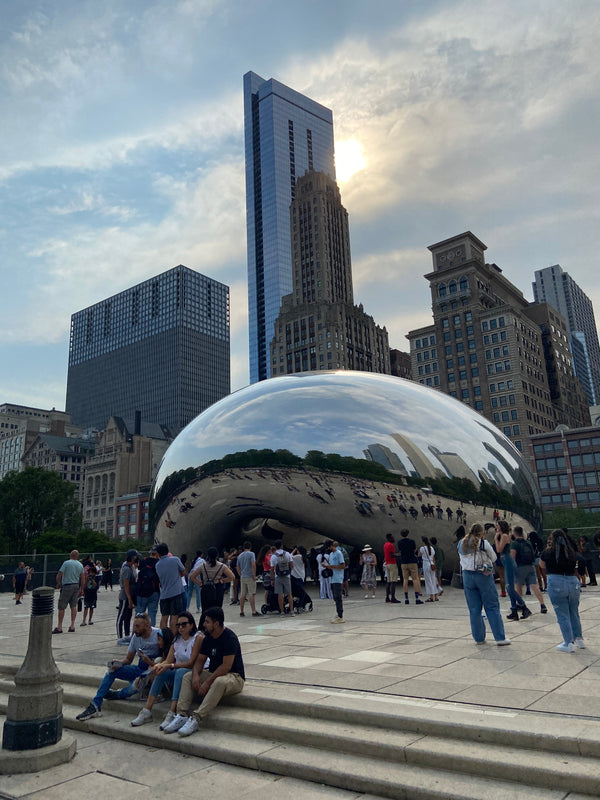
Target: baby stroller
[272, 604]
[302, 600]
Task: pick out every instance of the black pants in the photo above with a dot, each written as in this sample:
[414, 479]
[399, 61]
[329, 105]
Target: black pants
[336, 589]
[124, 618]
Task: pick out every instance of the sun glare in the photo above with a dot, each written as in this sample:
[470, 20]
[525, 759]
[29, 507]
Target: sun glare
[348, 159]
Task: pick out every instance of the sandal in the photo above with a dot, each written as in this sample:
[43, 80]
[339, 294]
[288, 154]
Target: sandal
[429, 600]
[71, 630]
[83, 624]
[57, 630]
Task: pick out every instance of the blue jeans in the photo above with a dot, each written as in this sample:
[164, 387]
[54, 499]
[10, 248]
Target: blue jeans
[510, 573]
[172, 677]
[149, 604]
[190, 593]
[564, 591]
[128, 672]
[480, 590]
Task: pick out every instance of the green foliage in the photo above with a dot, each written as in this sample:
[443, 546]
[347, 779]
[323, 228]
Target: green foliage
[571, 518]
[33, 502]
[85, 540]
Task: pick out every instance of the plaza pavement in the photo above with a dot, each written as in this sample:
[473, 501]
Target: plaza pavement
[384, 655]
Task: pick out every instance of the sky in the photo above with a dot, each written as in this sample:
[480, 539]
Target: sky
[122, 150]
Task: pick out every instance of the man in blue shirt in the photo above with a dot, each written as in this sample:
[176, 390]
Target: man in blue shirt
[170, 571]
[70, 581]
[336, 563]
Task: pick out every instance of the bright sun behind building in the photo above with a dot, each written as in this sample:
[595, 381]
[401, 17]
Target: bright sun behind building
[348, 160]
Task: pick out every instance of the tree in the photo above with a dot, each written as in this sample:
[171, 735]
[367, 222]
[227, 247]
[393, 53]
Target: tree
[32, 502]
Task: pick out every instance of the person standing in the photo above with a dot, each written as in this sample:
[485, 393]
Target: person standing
[391, 569]
[368, 579]
[408, 562]
[337, 566]
[502, 542]
[439, 563]
[70, 581]
[281, 570]
[107, 575]
[298, 577]
[18, 582]
[126, 602]
[90, 592]
[477, 561]
[210, 576]
[148, 587]
[524, 555]
[559, 559]
[170, 571]
[246, 569]
[427, 554]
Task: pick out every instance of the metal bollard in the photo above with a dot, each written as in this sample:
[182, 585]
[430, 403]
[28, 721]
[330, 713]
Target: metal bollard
[34, 716]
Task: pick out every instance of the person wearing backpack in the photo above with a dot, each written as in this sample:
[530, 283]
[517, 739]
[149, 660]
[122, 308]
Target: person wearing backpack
[524, 555]
[281, 571]
[210, 577]
[148, 587]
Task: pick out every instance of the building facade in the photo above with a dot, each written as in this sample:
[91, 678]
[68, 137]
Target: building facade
[20, 425]
[126, 459]
[567, 466]
[400, 364]
[161, 348]
[557, 288]
[286, 134]
[483, 347]
[66, 455]
[318, 326]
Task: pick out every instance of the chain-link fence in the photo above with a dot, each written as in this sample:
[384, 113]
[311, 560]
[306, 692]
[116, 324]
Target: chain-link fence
[44, 566]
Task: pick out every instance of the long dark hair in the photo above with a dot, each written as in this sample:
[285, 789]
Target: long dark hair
[425, 541]
[167, 638]
[190, 618]
[211, 556]
[562, 546]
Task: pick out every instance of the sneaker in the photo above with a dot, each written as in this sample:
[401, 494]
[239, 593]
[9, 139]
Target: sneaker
[367, 597]
[142, 718]
[167, 720]
[91, 711]
[191, 726]
[387, 600]
[337, 621]
[418, 602]
[393, 600]
[565, 647]
[543, 609]
[580, 643]
[177, 723]
[514, 616]
[503, 642]
[525, 613]
[407, 602]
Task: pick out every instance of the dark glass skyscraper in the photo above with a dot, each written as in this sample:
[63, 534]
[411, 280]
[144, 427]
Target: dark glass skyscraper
[286, 134]
[557, 288]
[161, 347]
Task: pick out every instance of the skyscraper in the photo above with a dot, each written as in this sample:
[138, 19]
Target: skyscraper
[161, 348]
[286, 134]
[319, 327]
[557, 288]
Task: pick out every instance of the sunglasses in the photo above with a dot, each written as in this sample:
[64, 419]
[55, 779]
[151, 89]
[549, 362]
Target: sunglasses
[182, 624]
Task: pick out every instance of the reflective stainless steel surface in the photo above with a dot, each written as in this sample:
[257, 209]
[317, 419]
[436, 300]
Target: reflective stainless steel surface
[330, 454]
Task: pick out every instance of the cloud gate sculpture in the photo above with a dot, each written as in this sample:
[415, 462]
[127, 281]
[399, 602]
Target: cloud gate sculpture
[344, 455]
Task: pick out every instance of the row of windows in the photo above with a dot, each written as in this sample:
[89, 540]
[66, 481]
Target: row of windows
[424, 342]
[492, 324]
[505, 416]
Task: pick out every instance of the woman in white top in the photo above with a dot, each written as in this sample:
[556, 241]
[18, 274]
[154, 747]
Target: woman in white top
[325, 592]
[477, 561]
[427, 553]
[181, 658]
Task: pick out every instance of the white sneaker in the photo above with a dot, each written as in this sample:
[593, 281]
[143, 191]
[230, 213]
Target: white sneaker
[503, 642]
[191, 726]
[337, 621]
[178, 722]
[565, 647]
[580, 643]
[142, 718]
[167, 720]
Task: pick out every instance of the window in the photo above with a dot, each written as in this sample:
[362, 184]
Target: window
[442, 290]
[450, 377]
[475, 372]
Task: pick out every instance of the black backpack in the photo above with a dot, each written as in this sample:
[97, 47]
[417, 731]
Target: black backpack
[526, 553]
[147, 581]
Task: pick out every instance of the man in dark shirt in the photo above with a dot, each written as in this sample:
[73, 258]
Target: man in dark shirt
[225, 674]
[408, 562]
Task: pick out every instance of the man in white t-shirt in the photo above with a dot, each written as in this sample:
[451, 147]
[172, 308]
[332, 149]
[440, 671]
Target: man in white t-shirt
[281, 569]
[246, 569]
[144, 643]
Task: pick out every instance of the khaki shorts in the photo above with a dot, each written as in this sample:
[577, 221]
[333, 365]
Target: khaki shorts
[247, 587]
[68, 596]
[411, 571]
[391, 570]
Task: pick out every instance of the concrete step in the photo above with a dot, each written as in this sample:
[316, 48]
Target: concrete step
[355, 772]
[323, 727]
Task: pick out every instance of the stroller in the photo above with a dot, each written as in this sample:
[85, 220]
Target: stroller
[302, 600]
[272, 604]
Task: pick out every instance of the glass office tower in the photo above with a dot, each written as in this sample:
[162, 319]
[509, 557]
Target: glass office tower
[161, 348]
[557, 288]
[286, 134]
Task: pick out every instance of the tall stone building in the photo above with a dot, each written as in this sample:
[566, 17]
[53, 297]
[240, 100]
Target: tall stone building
[318, 326]
[486, 347]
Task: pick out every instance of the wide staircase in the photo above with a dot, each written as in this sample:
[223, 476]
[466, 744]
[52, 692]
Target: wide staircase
[385, 747]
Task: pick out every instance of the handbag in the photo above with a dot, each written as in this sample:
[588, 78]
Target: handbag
[327, 573]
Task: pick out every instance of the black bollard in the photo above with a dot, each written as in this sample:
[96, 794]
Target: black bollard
[34, 715]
